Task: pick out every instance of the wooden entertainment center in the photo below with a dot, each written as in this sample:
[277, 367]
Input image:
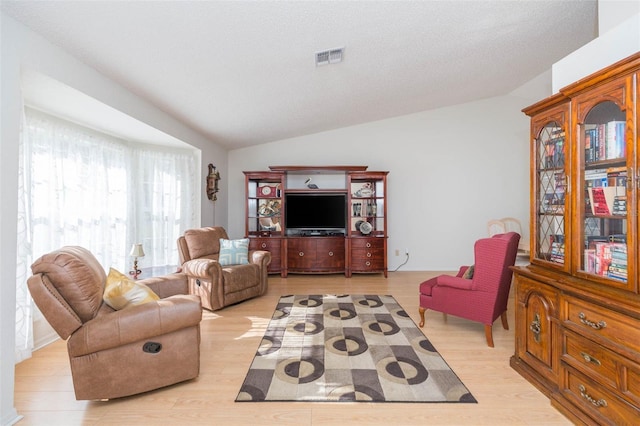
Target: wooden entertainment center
[318, 219]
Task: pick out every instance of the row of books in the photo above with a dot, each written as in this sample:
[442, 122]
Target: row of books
[556, 254]
[607, 259]
[554, 150]
[606, 190]
[553, 201]
[604, 141]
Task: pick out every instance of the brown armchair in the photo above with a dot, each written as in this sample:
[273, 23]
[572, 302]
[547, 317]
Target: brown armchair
[219, 286]
[117, 353]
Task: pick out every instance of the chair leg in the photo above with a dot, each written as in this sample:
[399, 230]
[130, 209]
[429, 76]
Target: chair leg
[488, 332]
[421, 310]
[505, 324]
[444, 317]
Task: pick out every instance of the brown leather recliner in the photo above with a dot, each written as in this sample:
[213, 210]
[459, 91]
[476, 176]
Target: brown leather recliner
[117, 353]
[219, 286]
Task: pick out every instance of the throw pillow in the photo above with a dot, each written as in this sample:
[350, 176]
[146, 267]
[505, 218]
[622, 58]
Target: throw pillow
[468, 274]
[234, 252]
[121, 291]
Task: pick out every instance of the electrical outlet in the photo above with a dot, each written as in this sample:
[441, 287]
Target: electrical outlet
[406, 251]
[397, 252]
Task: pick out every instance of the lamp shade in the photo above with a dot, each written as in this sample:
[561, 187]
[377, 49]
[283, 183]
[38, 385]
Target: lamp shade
[137, 251]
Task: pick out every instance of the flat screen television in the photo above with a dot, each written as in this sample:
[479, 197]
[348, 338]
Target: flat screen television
[315, 212]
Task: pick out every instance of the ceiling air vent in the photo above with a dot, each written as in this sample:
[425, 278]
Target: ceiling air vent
[332, 56]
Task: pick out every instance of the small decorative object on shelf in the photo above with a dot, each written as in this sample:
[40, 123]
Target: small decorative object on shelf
[136, 252]
[364, 227]
[310, 185]
[363, 190]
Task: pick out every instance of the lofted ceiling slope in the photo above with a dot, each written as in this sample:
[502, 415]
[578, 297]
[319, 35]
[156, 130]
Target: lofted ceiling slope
[242, 72]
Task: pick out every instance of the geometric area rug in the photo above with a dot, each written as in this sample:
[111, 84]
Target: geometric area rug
[333, 348]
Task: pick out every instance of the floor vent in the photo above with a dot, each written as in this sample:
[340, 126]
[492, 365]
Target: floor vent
[332, 56]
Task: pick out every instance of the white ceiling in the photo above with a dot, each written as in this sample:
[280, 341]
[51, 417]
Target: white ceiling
[243, 72]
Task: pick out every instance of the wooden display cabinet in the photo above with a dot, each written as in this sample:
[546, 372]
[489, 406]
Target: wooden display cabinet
[367, 234]
[264, 214]
[359, 247]
[578, 302]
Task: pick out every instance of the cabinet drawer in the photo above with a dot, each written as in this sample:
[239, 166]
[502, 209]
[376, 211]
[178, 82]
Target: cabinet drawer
[367, 243]
[597, 402]
[593, 360]
[599, 323]
[362, 260]
[272, 245]
[330, 248]
[301, 258]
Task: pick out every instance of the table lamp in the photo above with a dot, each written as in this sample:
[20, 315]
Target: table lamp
[136, 252]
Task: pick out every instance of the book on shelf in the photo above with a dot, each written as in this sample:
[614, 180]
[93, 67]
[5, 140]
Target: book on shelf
[557, 252]
[619, 205]
[554, 149]
[615, 139]
[553, 202]
[602, 200]
[598, 201]
[617, 176]
[589, 261]
[618, 238]
[603, 258]
[606, 259]
[604, 141]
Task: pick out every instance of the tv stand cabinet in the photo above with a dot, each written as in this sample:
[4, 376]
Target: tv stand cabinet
[360, 248]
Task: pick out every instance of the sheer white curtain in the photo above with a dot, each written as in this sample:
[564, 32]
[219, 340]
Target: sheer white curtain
[81, 187]
[24, 311]
[164, 207]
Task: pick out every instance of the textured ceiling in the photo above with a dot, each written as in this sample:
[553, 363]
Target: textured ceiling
[243, 72]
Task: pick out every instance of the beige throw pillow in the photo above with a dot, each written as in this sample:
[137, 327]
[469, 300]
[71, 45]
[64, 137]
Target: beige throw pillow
[121, 291]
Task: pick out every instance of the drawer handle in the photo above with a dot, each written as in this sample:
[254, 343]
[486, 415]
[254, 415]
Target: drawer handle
[301, 253]
[595, 325]
[536, 328]
[264, 245]
[368, 245]
[368, 254]
[590, 359]
[330, 253]
[585, 395]
[368, 263]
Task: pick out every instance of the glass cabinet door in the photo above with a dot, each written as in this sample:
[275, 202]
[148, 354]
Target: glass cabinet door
[264, 204]
[603, 219]
[367, 210]
[551, 204]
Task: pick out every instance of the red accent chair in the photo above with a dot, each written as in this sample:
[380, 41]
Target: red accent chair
[483, 297]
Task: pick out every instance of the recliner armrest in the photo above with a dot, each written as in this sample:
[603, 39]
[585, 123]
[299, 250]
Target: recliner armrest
[202, 268]
[167, 285]
[136, 323]
[260, 257]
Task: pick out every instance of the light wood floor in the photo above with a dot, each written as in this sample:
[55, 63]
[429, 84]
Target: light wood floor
[44, 392]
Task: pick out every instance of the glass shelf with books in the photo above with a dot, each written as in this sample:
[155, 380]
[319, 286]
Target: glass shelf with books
[550, 179]
[603, 190]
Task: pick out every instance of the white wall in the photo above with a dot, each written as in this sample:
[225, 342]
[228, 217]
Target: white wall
[613, 43]
[451, 170]
[23, 49]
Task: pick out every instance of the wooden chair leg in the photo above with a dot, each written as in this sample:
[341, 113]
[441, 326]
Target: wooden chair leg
[444, 317]
[488, 332]
[421, 310]
[505, 324]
